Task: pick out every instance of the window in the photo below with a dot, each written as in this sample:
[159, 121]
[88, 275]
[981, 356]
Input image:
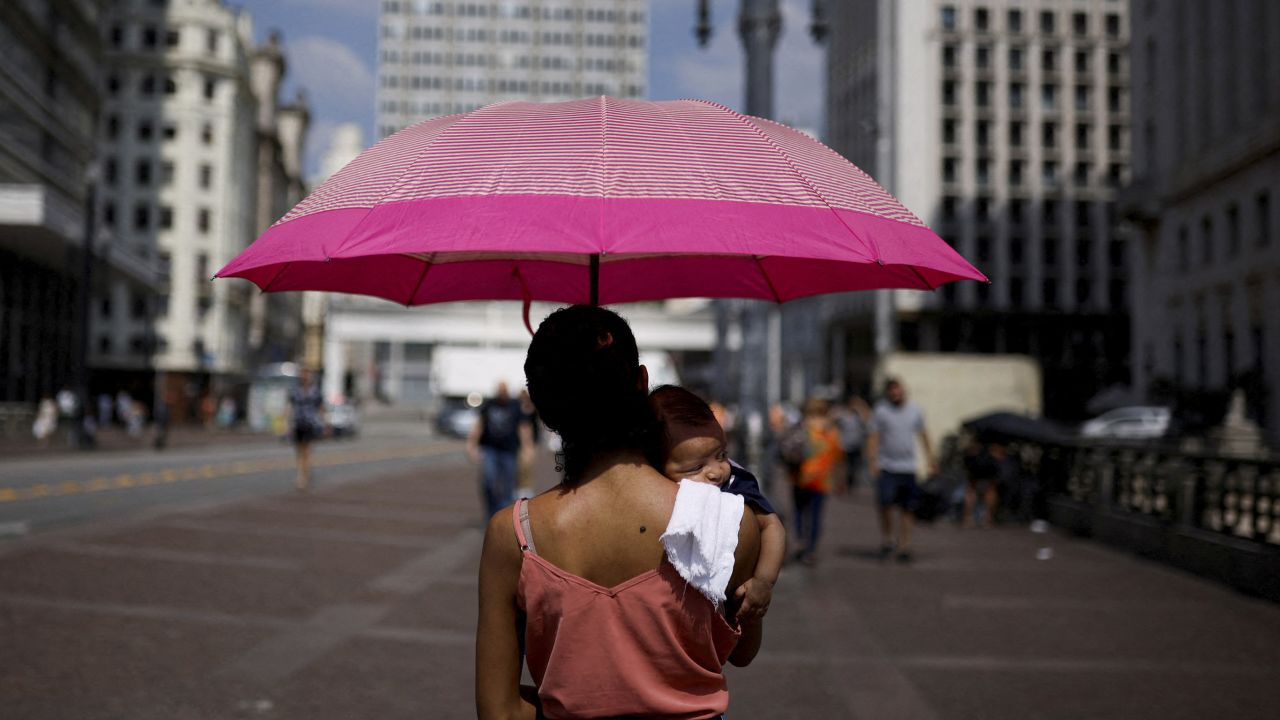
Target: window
[949, 53]
[210, 88]
[1016, 58]
[1047, 22]
[1082, 98]
[982, 19]
[206, 134]
[1049, 292]
[1262, 209]
[982, 133]
[1113, 62]
[1015, 292]
[117, 36]
[948, 92]
[1049, 60]
[950, 169]
[1082, 173]
[170, 86]
[982, 56]
[1015, 251]
[211, 42]
[109, 214]
[206, 176]
[142, 173]
[1016, 93]
[982, 93]
[104, 344]
[1084, 290]
[1082, 136]
[110, 171]
[1014, 21]
[1113, 25]
[148, 85]
[142, 217]
[948, 131]
[113, 85]
[166, 217]
[1049, 96]
[982, 248]
[1233, 230]
[170, 131]
[1115, 137]
[166, 173]
[948, 17]
[1017, 211]
[1079, 24]
[1082, 61]
[1115, 99]
[1184, 249]
[1015, 134]
[1049, 174]
[1115, 174]
[138, 306]
[150, 37]
[1049, 213]
[203, 220]
[1049, 134]
[1016, 168]
[145, 129]
[1206, 240]
[172, 38]
[984, 171]
[949, 207]
[982, 208]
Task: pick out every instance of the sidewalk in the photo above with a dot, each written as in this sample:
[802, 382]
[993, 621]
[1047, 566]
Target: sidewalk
[358, 601]
[114, 439]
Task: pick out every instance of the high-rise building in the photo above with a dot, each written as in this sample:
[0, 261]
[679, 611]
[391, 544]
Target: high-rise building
[1005, 125]
[198, 156]
[50, 99]
[438, 57]
[1206, 138]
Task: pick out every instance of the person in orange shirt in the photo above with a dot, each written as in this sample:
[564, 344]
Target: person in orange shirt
[816, 477]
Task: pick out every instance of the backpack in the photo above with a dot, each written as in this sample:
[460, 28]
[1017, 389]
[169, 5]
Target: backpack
[793, 445]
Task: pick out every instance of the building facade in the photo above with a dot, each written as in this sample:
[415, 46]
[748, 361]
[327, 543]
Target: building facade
[1206, 137]
[440, 57]
[50, 102]
[1005, 125]
[198, 156]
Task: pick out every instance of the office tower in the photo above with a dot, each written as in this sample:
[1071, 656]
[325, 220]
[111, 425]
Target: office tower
[1005, 126]
[441, 57]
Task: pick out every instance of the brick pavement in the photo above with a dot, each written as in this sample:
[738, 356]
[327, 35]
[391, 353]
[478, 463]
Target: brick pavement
[358, 601]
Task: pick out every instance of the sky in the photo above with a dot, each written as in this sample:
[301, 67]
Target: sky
[331, 49]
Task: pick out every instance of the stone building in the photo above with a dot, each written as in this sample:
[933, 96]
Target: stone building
[1206, 137]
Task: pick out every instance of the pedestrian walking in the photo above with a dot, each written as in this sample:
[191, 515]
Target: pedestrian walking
[502, 429]
[306, 406]
[524, 476]
[815, 477]
[46, 421]
[896, 425]
[852, 418]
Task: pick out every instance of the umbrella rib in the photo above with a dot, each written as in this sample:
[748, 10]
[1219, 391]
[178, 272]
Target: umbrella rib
[866, 242]
[267, 288]
[768, 280]
[921, 277]
[426, 267]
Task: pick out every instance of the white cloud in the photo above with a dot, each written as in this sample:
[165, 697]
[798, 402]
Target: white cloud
[338, 82]
[360, 8]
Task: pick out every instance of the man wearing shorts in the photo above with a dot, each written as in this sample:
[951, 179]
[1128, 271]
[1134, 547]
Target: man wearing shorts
[891, 460]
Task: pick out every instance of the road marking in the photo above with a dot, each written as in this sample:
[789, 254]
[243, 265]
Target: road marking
[135, 552]
[211, 472]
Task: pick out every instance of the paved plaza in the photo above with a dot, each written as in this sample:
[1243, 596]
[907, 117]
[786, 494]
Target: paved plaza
[358, 601]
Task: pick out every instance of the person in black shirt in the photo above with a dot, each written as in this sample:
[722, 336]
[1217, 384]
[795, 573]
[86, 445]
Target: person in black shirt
[501, 431]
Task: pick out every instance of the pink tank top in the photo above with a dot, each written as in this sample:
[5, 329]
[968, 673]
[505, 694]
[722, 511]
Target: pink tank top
[648, 647]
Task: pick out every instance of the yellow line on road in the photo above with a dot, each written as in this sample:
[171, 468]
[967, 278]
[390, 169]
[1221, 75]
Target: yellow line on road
[208, 472]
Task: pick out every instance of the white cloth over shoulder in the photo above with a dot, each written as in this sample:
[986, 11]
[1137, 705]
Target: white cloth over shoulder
[702, 536]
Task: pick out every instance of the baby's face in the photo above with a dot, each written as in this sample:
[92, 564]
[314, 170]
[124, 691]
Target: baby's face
[697, 453]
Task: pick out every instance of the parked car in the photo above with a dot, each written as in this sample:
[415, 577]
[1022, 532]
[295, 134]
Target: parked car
[344, 421]
[1129, 423]
[456, 420]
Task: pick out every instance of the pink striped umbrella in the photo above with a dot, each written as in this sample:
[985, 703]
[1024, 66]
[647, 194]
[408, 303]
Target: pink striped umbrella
[598, 200]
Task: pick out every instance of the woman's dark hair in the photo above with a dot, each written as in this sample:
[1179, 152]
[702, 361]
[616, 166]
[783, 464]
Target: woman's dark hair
[674, 404]
[583, 372]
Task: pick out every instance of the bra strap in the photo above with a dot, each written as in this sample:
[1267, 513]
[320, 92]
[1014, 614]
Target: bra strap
[520, 519]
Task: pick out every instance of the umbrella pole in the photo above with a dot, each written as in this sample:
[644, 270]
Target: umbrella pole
[595, 279]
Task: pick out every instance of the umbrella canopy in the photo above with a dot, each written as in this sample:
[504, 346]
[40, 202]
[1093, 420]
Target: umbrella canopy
[598, 200]
[1012, 426]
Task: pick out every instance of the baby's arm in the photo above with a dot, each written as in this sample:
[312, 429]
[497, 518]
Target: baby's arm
[757, 592]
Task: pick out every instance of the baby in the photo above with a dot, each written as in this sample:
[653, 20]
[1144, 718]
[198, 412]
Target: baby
[693, 447]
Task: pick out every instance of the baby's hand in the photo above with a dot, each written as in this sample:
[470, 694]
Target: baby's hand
[755, 595]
